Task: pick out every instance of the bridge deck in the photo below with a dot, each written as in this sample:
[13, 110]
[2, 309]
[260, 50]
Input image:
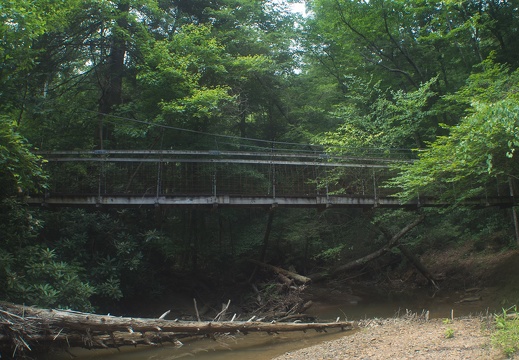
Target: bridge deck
[254, 201]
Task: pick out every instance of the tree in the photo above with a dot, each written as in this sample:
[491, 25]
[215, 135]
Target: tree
[394, 120]
[477, 151]
[397, 47]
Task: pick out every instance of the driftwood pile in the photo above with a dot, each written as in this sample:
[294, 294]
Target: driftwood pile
[26, 330]
[280, 299]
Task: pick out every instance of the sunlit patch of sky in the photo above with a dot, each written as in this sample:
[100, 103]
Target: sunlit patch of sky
[298, 8]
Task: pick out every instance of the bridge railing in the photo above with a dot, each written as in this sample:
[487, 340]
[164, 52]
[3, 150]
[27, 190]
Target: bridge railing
[170, 173]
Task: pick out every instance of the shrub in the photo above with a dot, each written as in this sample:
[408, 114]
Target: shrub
[506, 335]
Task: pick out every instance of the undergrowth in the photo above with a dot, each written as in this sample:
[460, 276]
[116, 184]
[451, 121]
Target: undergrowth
[506, 335]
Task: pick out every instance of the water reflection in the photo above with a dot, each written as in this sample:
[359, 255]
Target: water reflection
[369, 305]
[257, 346]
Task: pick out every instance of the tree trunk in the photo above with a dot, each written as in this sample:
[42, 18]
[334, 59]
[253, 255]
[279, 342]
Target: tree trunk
[266, 237]
[33, 329]
[418, 265]
[413, 259]
[264, 247]
[112, 77]
[393, 241]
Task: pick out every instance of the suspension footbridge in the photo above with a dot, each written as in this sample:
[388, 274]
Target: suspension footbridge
[212, 178]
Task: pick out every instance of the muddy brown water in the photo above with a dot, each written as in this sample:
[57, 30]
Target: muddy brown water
[328, 306]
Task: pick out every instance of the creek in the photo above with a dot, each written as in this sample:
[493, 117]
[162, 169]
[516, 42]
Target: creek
[328, 305]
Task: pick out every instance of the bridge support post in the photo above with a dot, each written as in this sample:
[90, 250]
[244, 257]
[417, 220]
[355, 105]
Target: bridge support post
[215, 199]
[273, 181]
[328, 204]
[159, 180]
[214, 185]
[102, 178]
[375, 195]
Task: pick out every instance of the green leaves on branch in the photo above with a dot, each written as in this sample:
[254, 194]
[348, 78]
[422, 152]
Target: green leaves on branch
[202, 104]
[33, 275]
[20, 169]
[479, 149]
[396, 119]
[179, 75]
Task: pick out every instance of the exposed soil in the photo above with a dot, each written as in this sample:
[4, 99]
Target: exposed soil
[467, 338]
[494, 275]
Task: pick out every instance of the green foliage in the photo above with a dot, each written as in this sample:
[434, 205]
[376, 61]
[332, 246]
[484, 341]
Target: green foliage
[332, 254]
[506, 334]
[392, 42]
[21, 22]
[392, 220]
[73, 259]
[316, 241]
[101, 247]
[393, 66]
[485, 229]
[203, 103]
[449, 333]
[395, 120]
[111, 288]
[21, 170]
[406, 118]
[476, 152]
[32, 273]
[35, 276]
[18, 225]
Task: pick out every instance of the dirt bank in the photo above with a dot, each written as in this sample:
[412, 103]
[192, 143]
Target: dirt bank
[463, 271]
[463, 338]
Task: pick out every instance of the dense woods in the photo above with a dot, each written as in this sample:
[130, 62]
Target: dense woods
[438, 78]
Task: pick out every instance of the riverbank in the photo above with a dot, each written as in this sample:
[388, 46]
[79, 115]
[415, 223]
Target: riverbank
[489, 276]
[404, 338]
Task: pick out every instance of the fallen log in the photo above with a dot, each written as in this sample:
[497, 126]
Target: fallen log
[412, 259]
[392, 242]
[290, 274]
[469, 299]
[419, 266]
[30, 328]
